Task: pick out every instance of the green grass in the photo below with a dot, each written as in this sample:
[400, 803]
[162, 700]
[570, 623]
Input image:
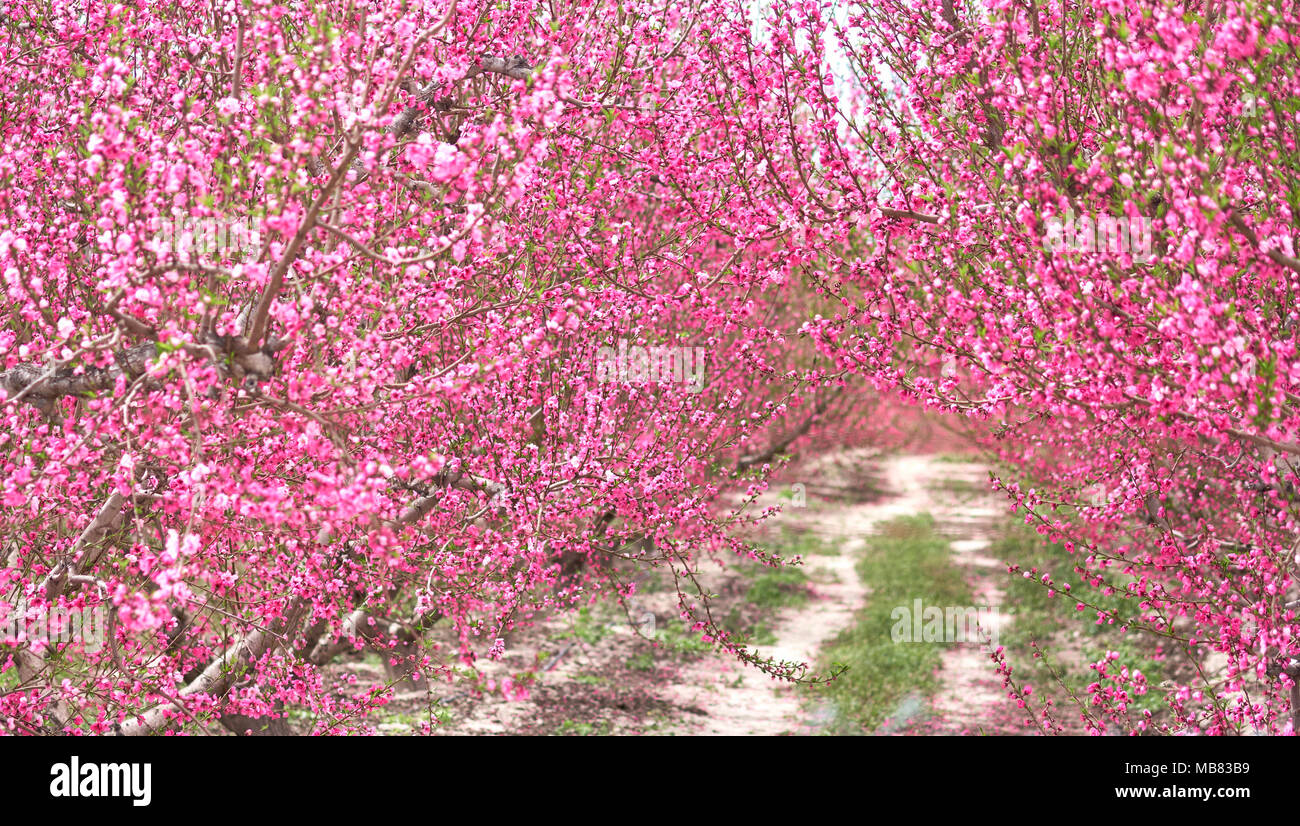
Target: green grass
[778, 588]
[791, 542]
[770, 589]
[1054, 621]
[761, 634]
[1037, 616]
[590, 679]
[962, 487]
[585, 626]
[957, 458]
[906, 561]
[573, 728]
[642, 661]
[672, 641]
[413, 719]
[747, 628]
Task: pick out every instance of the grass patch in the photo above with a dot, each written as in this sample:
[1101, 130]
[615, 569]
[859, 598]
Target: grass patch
[790, 542]
[960, 487]
[573, 728]
[761, 634]
[764, 590]
[906, 561]
[584, 626]
[1070, 638]
[958, 458]
[672, 641]
[412, 720]
[778, 588]
[642, 661]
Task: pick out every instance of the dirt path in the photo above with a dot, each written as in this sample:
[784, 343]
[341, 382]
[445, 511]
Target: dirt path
[970, 699]
[597, 676]
[742, 701]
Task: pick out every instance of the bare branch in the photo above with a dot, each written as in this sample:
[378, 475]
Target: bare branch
[513, 67]
[30, 380]
[220, 674]
[1275, 255]
[108, 518]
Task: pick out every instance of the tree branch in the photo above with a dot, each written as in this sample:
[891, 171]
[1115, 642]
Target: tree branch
[30, 380]
[108, 518]
[220, 674]
[1276, 256]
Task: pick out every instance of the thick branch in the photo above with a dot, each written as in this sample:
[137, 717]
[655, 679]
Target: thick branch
[108, 518]
[907, 214]
[747, 462]
[32, 670]
[37, 383]
[513, 67]
[220, 674]
[1275, 255]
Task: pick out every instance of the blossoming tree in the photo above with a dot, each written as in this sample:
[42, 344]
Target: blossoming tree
[309, 313]
[1078, 235]
[310, 310]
